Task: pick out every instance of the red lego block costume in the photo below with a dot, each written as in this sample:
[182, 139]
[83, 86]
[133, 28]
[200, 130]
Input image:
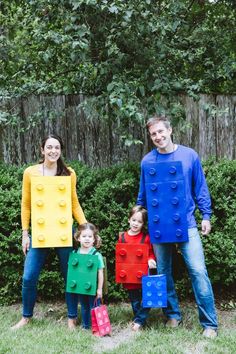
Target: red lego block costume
[132, 255]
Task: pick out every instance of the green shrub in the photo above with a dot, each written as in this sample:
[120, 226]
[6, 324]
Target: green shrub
[219, 246]
[106, 196]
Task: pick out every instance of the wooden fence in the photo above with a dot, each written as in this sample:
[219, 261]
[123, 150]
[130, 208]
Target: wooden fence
[209, 128]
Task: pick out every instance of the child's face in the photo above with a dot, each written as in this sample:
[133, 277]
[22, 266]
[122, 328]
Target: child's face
[86, 238]
[136, 222]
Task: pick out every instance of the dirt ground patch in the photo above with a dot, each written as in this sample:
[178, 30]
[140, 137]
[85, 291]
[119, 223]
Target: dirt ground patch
[119, 335]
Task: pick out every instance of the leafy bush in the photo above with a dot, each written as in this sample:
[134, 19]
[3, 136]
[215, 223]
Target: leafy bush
[106, 196]
[219, 246]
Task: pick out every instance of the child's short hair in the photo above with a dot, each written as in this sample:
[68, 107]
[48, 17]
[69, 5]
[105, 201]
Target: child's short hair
[93, 228]
[143, 211]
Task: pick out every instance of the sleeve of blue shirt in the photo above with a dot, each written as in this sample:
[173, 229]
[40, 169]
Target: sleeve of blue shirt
[201, 192]
[141, 200]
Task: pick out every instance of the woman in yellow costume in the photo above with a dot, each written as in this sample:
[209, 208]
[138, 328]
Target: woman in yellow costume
[52, 165]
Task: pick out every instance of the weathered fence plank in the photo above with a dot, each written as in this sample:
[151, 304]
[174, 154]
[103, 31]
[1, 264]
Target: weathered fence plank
[209, 128]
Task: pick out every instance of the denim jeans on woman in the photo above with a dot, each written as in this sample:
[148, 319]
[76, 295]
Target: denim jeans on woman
[193, 255]
[34, 263]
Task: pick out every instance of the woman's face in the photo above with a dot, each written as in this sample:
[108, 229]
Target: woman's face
[51, 150]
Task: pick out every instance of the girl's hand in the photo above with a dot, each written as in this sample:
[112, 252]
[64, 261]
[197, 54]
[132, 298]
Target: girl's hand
[99, 293]
[25, 242]
[152, 264]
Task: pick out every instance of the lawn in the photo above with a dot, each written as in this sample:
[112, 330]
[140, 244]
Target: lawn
[48, 333]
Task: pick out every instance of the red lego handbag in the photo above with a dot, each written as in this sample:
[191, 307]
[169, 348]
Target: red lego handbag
[100, 321]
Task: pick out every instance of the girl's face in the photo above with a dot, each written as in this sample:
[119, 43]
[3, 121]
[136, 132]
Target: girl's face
[86, 238]
[136, 222]
[51, 150]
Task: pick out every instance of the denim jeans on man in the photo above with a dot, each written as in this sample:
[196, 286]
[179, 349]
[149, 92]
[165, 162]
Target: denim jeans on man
[140, 312]
[193, 255]
[34, 262]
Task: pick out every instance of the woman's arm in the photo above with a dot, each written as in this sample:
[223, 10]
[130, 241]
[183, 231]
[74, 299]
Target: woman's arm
[76, 208]
[25, 210]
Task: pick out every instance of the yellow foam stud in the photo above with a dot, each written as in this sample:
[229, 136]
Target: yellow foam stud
[51, 211]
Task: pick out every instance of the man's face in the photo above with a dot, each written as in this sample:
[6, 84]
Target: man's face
[161, 137]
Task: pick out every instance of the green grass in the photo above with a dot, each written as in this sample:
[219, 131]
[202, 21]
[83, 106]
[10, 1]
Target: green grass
[48, 333]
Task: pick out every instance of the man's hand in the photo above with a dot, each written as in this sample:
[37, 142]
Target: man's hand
[206, 227]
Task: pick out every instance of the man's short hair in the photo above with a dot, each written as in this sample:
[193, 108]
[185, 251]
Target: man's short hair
[157, 119]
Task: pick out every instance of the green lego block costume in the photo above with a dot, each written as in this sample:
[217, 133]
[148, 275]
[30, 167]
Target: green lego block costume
[82, 274]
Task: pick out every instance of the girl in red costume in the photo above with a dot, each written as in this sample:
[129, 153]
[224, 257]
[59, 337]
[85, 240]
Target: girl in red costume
[136, 235]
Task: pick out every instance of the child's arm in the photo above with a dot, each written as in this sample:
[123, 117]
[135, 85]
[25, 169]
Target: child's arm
[100, 283]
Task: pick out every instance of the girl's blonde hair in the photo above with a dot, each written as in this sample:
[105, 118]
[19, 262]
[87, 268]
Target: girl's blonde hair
[143, 211]
[93, 228]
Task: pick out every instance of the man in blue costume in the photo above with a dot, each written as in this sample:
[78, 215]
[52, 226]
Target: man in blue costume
[171, 183]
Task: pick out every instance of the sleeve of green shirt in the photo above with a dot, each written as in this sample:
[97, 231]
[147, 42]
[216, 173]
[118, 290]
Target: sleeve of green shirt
[100, 261]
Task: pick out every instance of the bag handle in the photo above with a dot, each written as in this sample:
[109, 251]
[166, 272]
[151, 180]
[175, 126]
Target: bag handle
[152, 270]
[96, 301]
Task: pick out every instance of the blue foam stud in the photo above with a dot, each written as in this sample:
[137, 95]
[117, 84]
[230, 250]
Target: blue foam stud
[166, 202]
[154, 291]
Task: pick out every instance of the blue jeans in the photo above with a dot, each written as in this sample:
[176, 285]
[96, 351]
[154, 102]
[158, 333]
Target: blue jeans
[87, 304]
[34, 262]
[193, 255]
[140, 312]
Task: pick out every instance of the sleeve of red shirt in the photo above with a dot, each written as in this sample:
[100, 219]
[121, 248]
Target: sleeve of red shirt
[151, 254]
[119, 239]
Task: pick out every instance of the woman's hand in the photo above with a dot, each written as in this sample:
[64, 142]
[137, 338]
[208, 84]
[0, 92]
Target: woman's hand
[25, 241]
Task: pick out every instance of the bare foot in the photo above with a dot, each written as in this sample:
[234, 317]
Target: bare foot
[72, 323]
[23, 322]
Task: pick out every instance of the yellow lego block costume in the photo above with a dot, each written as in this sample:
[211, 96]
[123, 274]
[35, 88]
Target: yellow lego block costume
[51, 211]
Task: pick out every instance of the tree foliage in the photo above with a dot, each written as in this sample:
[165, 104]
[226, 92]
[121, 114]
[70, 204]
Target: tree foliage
[126, 54]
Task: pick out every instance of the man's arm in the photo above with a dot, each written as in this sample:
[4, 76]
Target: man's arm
[141, 199]
[202, 196]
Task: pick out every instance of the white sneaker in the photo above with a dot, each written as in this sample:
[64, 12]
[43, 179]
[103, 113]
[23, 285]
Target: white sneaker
[209, 333]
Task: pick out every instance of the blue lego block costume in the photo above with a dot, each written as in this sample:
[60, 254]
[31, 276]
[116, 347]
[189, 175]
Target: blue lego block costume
[166, 202]
[154, 292]
[177, 175]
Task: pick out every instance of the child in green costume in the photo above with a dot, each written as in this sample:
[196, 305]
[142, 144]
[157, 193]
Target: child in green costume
[87, 236]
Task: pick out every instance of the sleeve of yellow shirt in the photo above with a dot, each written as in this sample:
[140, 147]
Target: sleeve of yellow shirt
[76, 208]
[26, 200]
